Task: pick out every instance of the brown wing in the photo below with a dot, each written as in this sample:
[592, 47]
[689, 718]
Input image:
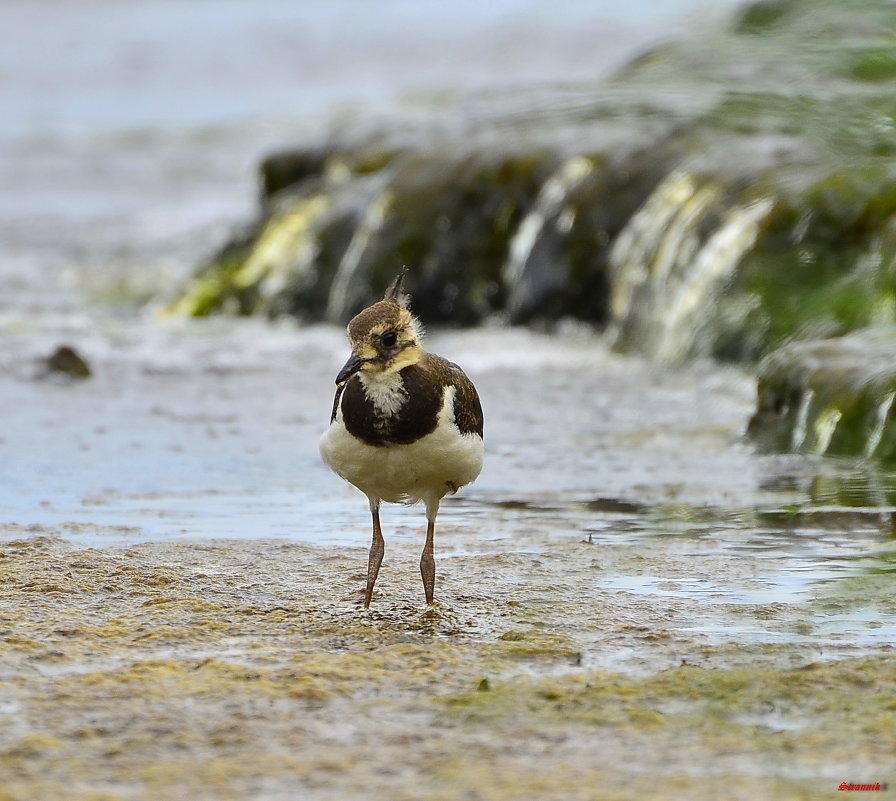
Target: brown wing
[467, 408]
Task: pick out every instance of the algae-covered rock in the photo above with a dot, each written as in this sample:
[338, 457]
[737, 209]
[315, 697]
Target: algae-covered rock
[823, 265]
[718, 197]
[757, 17]
[329, 244]
[831, 396]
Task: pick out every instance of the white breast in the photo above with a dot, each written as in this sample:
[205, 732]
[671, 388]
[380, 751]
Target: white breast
[385, 391]
[428, 469]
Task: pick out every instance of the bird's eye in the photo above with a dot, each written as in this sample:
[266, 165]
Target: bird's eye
[390, 338]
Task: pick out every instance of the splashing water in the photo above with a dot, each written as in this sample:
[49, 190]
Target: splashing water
[665, 274]
[548, 210]
[341, 295]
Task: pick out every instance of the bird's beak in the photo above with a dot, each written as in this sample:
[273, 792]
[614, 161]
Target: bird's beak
[350, 368]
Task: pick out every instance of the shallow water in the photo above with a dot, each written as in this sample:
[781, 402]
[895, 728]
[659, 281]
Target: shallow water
[208, 429]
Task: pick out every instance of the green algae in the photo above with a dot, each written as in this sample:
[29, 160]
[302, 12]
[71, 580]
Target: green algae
[840, 708]
[244, 276]
[757, 17]
[534, 644]
[873, 64]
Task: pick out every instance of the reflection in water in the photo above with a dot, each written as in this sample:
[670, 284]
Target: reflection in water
[824, 550]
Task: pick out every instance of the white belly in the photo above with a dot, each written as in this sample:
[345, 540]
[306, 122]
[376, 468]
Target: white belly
[427, 469]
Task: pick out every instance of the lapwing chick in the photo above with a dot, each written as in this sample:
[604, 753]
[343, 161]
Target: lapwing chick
[406, 424]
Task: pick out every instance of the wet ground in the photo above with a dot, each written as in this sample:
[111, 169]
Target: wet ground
[631, 602]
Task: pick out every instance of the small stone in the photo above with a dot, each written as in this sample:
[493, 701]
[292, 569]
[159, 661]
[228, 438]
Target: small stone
[65, 360]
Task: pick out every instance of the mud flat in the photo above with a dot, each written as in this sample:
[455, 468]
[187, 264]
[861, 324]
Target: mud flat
[248, 670]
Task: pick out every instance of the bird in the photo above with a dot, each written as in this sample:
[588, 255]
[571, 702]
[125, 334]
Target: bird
[406, 425]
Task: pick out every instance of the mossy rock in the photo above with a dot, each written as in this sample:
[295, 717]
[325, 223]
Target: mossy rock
[833, 396]
[824, 265]
[717, 197]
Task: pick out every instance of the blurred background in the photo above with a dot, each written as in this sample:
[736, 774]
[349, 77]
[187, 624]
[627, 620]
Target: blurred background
[690, 178]
[131, 133]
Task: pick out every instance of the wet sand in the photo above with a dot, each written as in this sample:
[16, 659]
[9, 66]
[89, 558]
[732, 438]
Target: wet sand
[249, 670]
[631, 602]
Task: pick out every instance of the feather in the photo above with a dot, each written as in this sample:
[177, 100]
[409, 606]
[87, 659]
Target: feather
[397, 292]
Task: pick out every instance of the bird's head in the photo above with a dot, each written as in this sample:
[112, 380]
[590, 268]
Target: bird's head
[385, 337]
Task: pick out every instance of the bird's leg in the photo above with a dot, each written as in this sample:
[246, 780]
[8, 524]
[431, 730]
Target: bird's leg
[375, 557]
[428, 563]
